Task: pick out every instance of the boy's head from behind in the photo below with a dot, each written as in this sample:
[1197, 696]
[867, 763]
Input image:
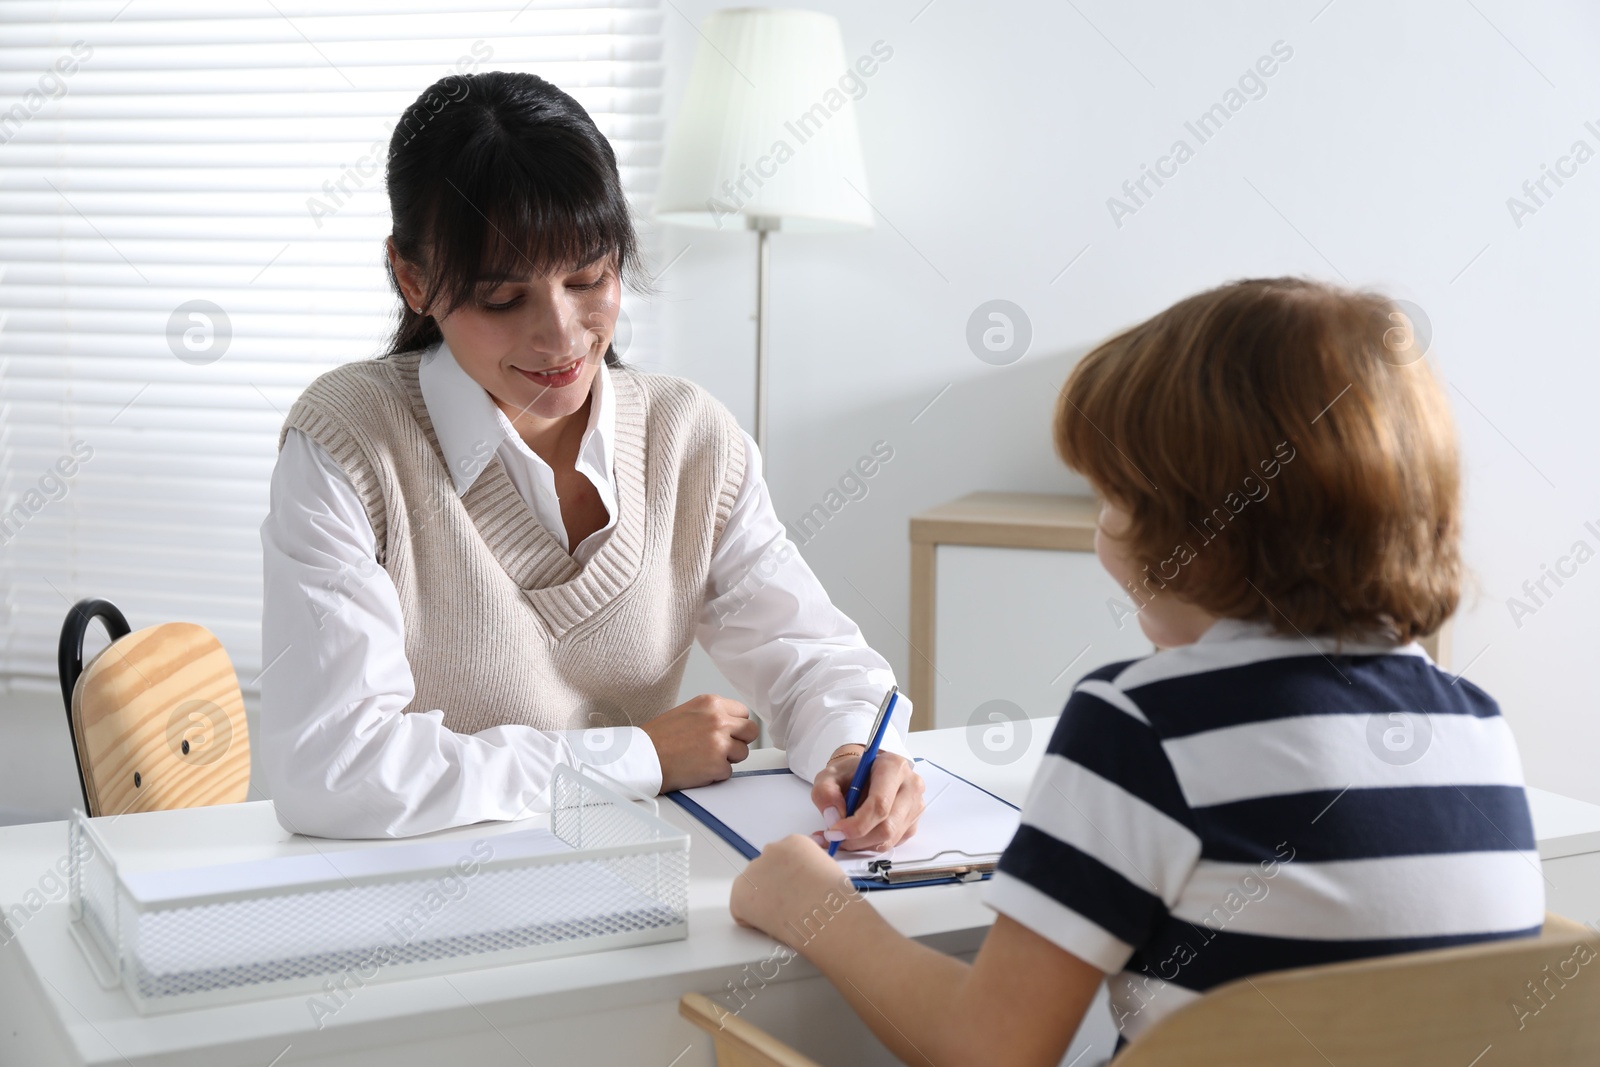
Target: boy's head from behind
[1273, 449]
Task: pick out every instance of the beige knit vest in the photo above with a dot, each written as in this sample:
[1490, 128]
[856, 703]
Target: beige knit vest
[501, 624]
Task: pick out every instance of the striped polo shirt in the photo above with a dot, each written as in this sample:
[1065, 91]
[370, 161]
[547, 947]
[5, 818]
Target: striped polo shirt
[1253, 802]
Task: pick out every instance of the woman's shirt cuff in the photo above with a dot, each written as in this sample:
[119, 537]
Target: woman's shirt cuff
[625, 753]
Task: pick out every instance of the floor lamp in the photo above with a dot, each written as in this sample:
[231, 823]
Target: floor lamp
[766, 140]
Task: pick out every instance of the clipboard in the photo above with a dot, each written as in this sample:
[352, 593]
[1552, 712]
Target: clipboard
[960, 834]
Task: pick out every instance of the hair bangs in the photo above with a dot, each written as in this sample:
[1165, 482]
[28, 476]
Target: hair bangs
[513, 210]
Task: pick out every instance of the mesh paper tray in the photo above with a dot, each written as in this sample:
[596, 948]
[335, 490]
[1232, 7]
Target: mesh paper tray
[606, 874]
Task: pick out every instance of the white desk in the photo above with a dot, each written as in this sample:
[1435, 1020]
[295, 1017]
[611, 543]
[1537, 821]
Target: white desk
[1569, 846]
[615, 1007]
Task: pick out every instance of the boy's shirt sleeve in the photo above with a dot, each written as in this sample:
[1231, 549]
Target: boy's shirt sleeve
[1107, 841]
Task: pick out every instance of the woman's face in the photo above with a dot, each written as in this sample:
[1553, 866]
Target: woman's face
[534, 343]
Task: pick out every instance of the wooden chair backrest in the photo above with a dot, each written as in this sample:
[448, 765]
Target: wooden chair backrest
[739, 1043]
[159, 723]
[1499, 1003]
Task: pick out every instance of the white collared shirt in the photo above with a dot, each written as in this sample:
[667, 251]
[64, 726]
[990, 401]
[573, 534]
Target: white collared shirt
[468, 421]
[343, 759]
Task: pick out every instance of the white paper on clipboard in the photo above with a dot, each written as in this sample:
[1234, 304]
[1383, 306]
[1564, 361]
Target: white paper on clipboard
[960, 823]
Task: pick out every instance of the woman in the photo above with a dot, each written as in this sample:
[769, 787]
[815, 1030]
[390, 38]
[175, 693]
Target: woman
[489, 550]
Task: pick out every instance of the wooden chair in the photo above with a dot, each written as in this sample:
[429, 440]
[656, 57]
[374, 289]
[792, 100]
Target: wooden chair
[1446, 1007]
[1498, 1004]
[157, 719]
[738, 1043]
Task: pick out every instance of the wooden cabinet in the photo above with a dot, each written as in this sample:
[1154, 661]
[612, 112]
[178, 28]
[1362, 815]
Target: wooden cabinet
[1008, 603]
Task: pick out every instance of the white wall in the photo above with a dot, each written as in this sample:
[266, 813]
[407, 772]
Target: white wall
[1382, 153]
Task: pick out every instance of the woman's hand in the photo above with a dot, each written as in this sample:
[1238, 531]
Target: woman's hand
[792, 892]
[887, 812]
[700, 740]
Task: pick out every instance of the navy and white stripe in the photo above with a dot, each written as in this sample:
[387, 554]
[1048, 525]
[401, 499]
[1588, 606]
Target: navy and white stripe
[1218, 810]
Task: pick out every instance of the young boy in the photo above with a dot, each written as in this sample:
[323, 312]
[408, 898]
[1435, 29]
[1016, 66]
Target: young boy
[1289, 780]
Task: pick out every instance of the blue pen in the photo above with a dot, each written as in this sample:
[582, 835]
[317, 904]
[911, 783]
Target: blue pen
[858, 784]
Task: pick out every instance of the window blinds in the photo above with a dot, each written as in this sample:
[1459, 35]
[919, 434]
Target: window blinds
[191, 225]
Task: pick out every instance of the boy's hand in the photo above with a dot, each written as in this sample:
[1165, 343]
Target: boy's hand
[888, 810]
[792, 892]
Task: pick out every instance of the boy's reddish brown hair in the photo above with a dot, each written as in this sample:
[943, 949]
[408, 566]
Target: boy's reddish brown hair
[1284, 454]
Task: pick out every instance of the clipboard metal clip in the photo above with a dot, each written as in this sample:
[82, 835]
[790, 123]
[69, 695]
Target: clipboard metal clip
[961, 872]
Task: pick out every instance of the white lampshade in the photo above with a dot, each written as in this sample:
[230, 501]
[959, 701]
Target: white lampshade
[767, 129]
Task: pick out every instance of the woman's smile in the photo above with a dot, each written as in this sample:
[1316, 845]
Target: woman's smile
[556, 377]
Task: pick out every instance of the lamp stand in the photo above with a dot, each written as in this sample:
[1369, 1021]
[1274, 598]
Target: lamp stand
[763, 225]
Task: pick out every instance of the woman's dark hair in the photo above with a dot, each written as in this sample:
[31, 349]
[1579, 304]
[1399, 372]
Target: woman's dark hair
[492, 175]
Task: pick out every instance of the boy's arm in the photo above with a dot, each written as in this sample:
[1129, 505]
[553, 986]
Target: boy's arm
[1019, 1002]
